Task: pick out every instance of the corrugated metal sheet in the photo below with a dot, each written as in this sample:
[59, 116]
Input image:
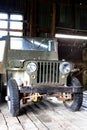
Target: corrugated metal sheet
[11, 5]
[43, 15]
[71, 50]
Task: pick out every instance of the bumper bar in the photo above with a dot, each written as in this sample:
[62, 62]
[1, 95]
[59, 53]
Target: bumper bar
[51, 89]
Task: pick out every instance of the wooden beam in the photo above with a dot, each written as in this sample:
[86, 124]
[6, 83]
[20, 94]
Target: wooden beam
[25, 12]
[53, 28]
[73, 14]
[13, 30]
[33, 18]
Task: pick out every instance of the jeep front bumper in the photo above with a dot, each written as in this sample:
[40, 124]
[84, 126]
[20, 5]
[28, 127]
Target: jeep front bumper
[51, 89]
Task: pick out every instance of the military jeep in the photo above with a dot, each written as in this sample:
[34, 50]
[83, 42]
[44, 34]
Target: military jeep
[31, 70]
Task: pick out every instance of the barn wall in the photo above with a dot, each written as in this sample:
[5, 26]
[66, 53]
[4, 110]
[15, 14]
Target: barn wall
[69, 14]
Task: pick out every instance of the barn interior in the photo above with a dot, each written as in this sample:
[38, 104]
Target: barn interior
[45, 18]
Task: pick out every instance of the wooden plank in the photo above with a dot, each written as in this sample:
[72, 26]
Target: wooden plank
[2, 121]
[3, 125]
[73, 121]
[27, 123]
[49, 114]
[34, 118]
[11, 122]
[46, 117]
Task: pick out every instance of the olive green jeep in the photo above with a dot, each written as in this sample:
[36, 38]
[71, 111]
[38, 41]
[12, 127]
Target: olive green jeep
[31, 70]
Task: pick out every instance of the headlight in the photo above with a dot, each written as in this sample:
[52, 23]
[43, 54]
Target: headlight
[31, 67]
[65, 67]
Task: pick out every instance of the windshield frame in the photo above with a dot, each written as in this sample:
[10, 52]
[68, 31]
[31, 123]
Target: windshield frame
[41, 44]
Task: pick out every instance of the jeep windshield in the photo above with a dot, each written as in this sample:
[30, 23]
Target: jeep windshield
[38, 44]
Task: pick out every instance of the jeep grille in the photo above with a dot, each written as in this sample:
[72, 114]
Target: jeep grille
[48, 72]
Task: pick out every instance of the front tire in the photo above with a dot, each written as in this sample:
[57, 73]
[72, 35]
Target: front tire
[2, 94]
[77, 98]
[13, 97]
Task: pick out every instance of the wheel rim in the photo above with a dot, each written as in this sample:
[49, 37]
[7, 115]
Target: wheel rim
[70, 102]
[9, 101]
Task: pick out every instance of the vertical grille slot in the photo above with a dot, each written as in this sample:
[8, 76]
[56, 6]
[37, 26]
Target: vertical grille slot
[48, 72]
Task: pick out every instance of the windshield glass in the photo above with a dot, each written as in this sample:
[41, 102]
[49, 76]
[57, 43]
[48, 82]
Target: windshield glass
[32, 44]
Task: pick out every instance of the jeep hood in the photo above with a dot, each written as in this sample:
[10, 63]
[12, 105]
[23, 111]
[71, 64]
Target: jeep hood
[31, 55]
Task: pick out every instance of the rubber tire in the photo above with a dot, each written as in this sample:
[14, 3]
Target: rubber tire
[2, 95]
[77, 97]
[14, 101]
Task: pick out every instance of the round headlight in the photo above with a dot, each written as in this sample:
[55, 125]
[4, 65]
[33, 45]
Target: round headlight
[65, 67]
[31, 67]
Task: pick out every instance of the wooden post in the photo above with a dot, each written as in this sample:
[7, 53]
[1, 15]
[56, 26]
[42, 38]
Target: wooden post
[73, 14]
[25, 18]
[53, 28]
[33, 18]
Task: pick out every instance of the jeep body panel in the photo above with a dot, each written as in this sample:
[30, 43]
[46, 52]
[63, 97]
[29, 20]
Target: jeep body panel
[32, 70]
